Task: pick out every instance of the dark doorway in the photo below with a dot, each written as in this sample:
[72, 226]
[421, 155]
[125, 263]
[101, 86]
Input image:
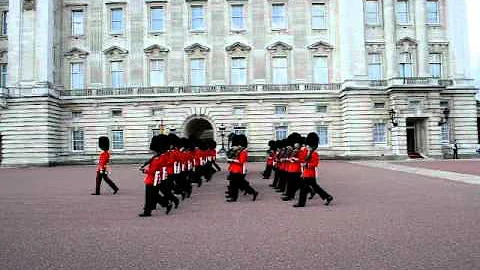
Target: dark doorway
[478, 128]
[410, 139]
[199, 128]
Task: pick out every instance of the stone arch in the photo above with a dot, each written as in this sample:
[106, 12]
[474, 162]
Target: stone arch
[200, 126]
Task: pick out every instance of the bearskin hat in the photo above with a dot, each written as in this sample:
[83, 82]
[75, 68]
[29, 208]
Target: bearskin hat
[303, 140]
[159, 143]
[173, 140]
[104, 143]
[312, 140]
[294, 138]
[239, 140]
[271, 144]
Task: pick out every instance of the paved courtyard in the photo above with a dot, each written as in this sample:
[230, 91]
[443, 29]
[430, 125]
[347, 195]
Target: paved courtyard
[382, 217]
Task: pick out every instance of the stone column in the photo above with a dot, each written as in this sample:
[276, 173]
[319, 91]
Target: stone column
[457, 37]
[421, 37]
[352, 39]
[44, 36]
[390, 37]
[14, 42]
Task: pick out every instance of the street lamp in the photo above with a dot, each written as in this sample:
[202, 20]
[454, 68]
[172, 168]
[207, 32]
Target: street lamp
[222, 134]
[173, 130]
[392, 117]
[446, 113]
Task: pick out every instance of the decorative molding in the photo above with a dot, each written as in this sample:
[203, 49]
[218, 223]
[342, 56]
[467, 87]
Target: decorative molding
[79, 4]
[156, 49]
[375, 47]
[3, 53]
[279, 46]
[238, 46]
[115, 51]
[196, 47]
[76, 52]
[29, 4]
[438, 46]
[321, 46]
[407, 42]
[116, 3]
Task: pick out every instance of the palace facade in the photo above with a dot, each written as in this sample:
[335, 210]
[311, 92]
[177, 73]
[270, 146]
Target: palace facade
[374, 78]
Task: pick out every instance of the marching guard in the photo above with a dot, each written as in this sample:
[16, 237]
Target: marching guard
[102, 170]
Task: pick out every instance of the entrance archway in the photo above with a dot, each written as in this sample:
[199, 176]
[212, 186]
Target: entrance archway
[199, 128]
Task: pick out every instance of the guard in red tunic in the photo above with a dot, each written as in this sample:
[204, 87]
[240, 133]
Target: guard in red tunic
[293, 166]
[269, 162]
[102, 170]
[309, 173]
[237, 157]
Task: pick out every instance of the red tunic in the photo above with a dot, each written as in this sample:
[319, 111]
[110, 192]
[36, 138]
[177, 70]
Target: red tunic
[103, 161]
[270, 158]
[240, 166]
[157, 168]
[310, 167]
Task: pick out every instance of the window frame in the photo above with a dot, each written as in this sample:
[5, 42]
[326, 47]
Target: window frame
[437, 13]
[398, 19]
[280, 112]
[445, 133]
[3, 75]
[81, 74]
[82, 22]
[280, 128]
[274, 67]
[73, 140]
[404, 62]
[242, 70]
[376, 133]
[284, 25]
[151, 19]
[320, 136]
[315, 71]
[121, 31]
[377, 13]
[204, 73]
[121, 71]
[203, 18]
[4, 22]
[113, 131]
[243, 17]
[323, 26]
[435, 62]
[151, 70]
[375, 59]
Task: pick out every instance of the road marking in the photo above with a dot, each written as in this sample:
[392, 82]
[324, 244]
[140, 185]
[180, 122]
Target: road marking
[453, 176]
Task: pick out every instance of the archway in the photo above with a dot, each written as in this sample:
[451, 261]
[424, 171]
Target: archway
[199, 128]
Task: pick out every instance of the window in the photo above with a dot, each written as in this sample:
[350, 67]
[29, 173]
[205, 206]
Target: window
[77, 22]
[117, 139]
[198, 18]
[76, 73]
[406, 65]
[117, 112]
[157, 111]
[238, 110]
[445, 132]
[374, 66]
[321, 108]
[77, 140]
[240, 130]
[280, 109]
[372, 15]
[198, 72]
[281, 132]
[444, 104]
[322, 135]
[402, 12]
[379, 105]
[238, 17]
[280, 70]
[76, 115]
[239, 71]
[436, 65]
[320, 69]
[279, 19]
[433, 12]
[117, 73]
[155, 131]
[379, 133]
[157, 20]
[157, 72]
[319, 16]
[3, 75]
[116, 26]
[4, 23]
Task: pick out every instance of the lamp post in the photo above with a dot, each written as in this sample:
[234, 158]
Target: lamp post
[161, 127]
[446, 113]
[173, 130]
[222, 134]
[392, 117]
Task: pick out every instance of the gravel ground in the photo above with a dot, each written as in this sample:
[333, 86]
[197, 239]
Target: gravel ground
[458, 166]
[380, 219]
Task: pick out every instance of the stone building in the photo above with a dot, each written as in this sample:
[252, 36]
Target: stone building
[374, 78]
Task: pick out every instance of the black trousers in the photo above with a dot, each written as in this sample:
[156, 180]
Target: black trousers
[293, 183]
[276, 175]
[238, 182]
[306, 185]
[282, 180]
[455, 154]
[107, 179]
[151, 198]
[165, 188]
[267, 172]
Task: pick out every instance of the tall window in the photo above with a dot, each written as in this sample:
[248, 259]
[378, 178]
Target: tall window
[279, 17]
[320, 69]
[77, 140]
[379, 135]
[433, 12]
[157, 19]
[117, 139]
[238, 17]
[77, 22]
[281, 132]
[3, 75]
[4, 23]
[240, 130]
[319, 16]
[402, 12]
[238, 110]
[445, 132]
[372, 14]
[280, 70]
[436, 65]
[322, 135]
[116, 25]
[374, 66]
[157, 72]
[239, 71]
[198, 18]
[406, 65]
[76, 75]
[197, 74]
[117, 73]
[280, 109]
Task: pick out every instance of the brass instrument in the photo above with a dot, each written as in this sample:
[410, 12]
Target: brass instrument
[233, 153]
